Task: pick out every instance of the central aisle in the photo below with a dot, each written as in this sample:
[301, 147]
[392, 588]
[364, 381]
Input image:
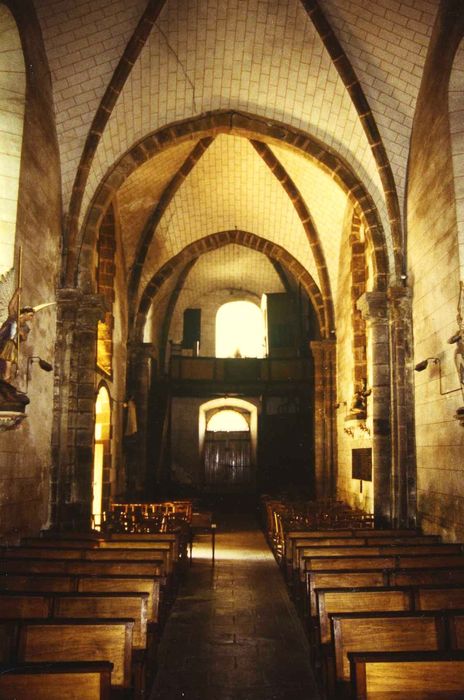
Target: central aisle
[233, 633]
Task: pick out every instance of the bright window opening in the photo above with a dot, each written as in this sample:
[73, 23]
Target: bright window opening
[102, 437]
[227, 421]
[240, 330]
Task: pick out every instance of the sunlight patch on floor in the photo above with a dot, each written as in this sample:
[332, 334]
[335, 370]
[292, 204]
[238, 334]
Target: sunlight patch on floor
[230, 548]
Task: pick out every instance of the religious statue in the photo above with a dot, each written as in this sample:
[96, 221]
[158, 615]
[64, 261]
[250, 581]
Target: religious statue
[15, 327]
[358, 407]
[15, 322]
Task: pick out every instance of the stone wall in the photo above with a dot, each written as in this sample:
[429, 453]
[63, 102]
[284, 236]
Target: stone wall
[348, 343]
[434, 275]
[25, 454]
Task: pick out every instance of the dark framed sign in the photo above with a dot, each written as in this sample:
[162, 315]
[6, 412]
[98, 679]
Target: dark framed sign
[361, 463]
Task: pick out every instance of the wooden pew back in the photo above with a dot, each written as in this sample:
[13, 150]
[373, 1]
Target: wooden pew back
[24, 604]
[340, 579]
[73, 681]
[77, 640]
[412, 675]
[341, 600]
[63, 566]
[106, 605]
[380, 631]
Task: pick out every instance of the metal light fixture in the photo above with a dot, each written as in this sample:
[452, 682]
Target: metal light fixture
[436, 361]
[43, 364]
[424, 363]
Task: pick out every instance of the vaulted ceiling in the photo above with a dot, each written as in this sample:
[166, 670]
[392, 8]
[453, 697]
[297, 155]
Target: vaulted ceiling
[343, 72]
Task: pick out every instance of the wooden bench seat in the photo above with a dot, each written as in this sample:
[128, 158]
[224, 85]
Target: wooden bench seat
[410, 675]
[56, 681]
[80, 567]
[433, 589]
[38, 582]
[339, 579]
[162, 553]
[31, 605]
[25, 604]
[299, 544]
[362, 562]
[341, 600]
[70, 640]
[404, 551]
[362, 533]
[386, 631]
[56, 583]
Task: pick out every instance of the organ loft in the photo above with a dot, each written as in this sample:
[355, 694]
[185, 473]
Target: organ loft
[231, 349]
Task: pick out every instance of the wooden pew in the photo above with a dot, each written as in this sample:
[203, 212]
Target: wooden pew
[405, 551]
[388, 598]
[364, 540]
[71, 640]
[434, 675]
[362, 562]
[14, 605]
[161, 553]
[56, 681]
[339, 579]
[372, 533]
[57, 583]
[130, 605]
[382, 631]
[433, 593]
[127, 584]
[105, 605]
[341, 600]
[83, 568]
[38, 582]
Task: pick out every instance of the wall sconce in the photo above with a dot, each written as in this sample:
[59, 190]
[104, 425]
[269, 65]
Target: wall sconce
[424, 363]
[43, 364]
[436, 361]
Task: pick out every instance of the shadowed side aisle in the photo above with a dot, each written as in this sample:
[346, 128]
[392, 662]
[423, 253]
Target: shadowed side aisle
[233, 633]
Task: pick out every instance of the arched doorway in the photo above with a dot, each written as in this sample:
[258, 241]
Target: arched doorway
[102, 456]
[227, 451]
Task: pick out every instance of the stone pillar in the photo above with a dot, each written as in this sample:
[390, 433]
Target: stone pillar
[402, 424]
[325, 449]
[74, 408]
[139, 385]
[373, 306]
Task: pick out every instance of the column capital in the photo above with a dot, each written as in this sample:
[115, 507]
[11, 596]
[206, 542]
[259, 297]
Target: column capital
[86, 309]
[373, 306]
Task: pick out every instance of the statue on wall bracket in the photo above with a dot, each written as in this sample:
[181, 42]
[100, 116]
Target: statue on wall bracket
[358, 406]
[15, 326]
[458, 340]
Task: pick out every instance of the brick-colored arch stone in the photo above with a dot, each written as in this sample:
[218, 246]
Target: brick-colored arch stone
[248, 126]
[218, 240]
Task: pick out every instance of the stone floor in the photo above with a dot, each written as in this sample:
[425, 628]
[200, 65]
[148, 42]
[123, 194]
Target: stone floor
[233, 633]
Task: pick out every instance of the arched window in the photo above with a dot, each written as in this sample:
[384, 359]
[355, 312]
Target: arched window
[240, 330]
[102, 452]
[227, 421]
[13, 91]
